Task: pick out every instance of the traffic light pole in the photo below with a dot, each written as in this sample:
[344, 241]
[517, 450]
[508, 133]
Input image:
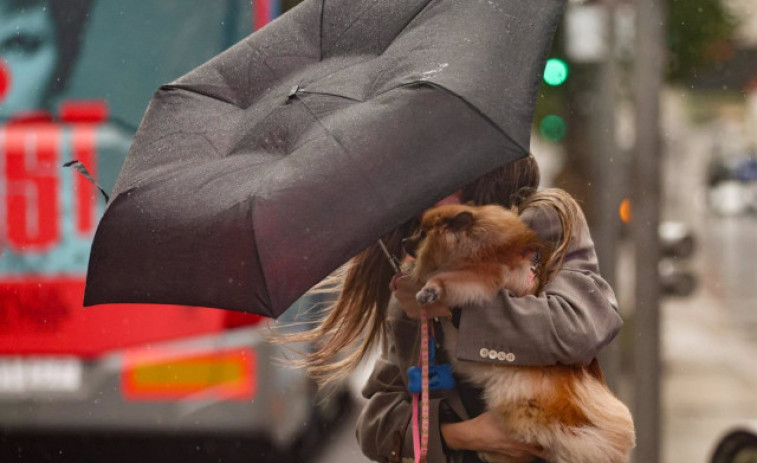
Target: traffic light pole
[606, 176]
[648, 75]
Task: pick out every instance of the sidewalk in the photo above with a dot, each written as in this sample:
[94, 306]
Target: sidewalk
[709, 360]
[709, 380]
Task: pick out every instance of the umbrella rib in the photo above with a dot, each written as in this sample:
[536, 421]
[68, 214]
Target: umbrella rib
[150, 175]
[257, 260]
[335, 95]
[320, 36]
[362, 13]
[475, 108]
[325, 129]
[410, 21]
[354, 20]
[196, 91]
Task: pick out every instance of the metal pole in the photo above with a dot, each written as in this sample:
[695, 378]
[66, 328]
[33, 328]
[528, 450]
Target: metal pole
[607, 178]
[648, 75]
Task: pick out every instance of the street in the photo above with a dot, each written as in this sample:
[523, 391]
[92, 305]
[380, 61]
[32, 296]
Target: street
[709, 341]
[343, 447]
[710, 345]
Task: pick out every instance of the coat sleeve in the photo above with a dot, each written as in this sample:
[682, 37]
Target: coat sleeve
[568, 323]
[383, 427]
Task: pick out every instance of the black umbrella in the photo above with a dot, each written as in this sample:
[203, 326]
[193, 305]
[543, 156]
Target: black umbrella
[257, 174]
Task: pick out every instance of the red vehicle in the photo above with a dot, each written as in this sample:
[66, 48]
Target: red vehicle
[181, 382]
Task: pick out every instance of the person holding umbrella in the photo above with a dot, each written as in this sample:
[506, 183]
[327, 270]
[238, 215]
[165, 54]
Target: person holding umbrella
[257, 174]
[569, 323]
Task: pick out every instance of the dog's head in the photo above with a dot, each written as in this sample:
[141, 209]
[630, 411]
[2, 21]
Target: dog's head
[459, 232]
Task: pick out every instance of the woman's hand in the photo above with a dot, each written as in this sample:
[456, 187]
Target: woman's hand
[405, 290]
[485, 433]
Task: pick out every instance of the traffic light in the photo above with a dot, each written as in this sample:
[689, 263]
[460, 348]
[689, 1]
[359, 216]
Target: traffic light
[556, 72]
[552, 126]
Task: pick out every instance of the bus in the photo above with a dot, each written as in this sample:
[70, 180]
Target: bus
[75, 78]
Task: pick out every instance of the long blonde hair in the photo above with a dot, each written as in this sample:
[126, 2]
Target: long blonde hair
[355, 321]
[568, 211]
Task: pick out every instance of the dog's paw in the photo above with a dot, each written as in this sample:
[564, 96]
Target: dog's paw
[428, 294]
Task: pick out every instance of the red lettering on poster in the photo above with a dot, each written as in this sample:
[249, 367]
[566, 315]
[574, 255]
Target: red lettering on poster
[262, 13]
[31, 168]
[85, 151]
[84, 111]
[5, 80]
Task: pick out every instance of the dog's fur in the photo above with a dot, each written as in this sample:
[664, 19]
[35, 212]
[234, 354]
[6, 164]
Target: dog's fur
[467, 254]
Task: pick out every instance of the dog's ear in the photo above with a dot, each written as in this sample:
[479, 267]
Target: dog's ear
[461, 221]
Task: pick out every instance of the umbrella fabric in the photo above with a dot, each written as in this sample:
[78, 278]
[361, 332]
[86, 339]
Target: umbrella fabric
[257, 174]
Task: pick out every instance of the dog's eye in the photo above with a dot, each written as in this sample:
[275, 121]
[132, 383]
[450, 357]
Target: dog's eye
[423, 234]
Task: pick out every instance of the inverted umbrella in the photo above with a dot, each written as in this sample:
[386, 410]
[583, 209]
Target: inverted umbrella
[257, 174]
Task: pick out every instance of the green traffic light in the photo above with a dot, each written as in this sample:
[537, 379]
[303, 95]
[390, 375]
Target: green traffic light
[552, 127]
[556, 72]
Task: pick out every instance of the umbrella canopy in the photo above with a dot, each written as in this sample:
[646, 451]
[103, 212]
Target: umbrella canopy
[257, 174]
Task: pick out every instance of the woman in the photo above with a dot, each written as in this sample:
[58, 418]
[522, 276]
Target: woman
[39, 45]
[568, 323]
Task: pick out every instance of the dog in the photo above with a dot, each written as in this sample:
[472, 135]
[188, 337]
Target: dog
[466, 255]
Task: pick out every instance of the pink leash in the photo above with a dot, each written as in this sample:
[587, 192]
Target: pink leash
[420, 442]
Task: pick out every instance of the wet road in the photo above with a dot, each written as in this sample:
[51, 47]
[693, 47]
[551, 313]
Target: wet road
[729, 270]
[343, 447]
[710, 344]
[709, 340]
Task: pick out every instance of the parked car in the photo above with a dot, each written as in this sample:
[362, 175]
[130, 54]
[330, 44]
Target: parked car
[732, 182]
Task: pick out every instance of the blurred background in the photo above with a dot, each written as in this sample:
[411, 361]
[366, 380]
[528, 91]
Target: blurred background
[647, 114]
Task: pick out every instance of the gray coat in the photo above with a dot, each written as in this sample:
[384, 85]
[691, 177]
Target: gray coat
[568, 323]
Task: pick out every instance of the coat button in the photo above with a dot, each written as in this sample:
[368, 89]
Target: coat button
[484, 352]
[493, 354]
[510, 357]
[501, 356]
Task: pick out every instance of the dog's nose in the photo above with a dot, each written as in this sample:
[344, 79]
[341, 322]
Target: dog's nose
[409, 245]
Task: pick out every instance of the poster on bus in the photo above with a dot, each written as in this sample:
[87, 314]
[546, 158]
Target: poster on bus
[75, 79]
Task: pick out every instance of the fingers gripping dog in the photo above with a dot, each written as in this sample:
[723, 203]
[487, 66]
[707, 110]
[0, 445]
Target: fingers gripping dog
[466, 255]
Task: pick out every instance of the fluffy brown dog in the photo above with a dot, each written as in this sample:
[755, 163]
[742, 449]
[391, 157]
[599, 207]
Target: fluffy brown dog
[466, 255]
